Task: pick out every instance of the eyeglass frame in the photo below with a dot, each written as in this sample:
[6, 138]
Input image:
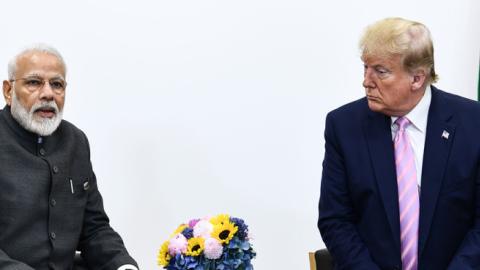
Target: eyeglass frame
[43, 81]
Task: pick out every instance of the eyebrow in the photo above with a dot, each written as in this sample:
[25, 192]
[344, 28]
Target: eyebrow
[379, 66]
[39, 76]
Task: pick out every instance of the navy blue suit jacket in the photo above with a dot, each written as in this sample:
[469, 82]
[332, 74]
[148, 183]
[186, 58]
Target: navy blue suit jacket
[358, 208]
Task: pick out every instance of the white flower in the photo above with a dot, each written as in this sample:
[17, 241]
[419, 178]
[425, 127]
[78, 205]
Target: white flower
[178, 245]
[213, 249]
[203, 228]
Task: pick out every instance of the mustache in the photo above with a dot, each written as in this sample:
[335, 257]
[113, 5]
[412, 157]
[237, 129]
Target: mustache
[45, 106]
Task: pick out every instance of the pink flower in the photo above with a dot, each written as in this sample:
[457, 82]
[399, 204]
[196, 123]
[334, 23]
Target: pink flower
[203, 228]
[213, 249]
[193, 222]
[178, 245]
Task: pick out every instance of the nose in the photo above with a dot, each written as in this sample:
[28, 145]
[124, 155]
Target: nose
[46, 92]
[367, 79]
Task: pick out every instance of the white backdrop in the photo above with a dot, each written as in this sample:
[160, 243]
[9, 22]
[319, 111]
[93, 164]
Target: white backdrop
[198, 107]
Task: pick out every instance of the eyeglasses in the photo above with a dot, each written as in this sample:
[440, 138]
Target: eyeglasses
[33, 84]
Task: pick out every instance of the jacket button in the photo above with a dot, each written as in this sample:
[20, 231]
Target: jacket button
[53, 202]
[42, 152]
[55, 169]
[86, 185]
[53, 235]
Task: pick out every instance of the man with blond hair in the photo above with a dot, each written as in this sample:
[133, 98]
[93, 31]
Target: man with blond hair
[401, 174]
[50, 205]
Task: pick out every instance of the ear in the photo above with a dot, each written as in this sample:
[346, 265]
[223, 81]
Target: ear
[418, 79]
[7, 92]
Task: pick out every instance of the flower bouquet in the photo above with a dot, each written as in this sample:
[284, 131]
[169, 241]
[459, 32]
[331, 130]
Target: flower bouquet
[217, 243]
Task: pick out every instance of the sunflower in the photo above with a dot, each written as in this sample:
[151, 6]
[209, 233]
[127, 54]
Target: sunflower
[163, 256]
[220, 219]
[224, 232]
[196, 245]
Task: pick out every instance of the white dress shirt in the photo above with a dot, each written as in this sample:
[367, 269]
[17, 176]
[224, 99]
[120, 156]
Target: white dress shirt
[416, 132]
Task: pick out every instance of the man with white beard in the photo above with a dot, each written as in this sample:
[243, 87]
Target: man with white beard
[50, 205]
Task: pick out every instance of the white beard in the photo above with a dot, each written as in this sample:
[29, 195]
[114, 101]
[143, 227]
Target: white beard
[39, 125]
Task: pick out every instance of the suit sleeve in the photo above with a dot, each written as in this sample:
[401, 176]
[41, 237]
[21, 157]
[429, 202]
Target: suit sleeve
[336, 213]
[6, 263]
[99, 244]
[468, 255]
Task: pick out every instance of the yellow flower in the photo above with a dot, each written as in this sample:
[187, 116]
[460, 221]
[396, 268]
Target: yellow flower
[163, 256]
[224, 232]
[195, 247]
[220, 219]
[179, 229]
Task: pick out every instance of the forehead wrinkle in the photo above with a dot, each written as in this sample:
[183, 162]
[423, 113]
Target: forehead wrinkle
[391, 62]
[41, 73]
[40, 62]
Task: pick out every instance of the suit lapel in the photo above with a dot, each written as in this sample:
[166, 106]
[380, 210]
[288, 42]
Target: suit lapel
[435, 157]
[379, 139]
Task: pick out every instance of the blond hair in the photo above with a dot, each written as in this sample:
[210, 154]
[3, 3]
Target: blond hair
[396, 36]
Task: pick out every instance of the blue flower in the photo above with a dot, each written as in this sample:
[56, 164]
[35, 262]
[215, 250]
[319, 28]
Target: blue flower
[242, 232]
[191, 262]
[188, 232]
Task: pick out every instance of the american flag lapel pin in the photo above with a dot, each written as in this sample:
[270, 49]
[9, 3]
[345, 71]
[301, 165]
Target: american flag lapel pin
[445, 134]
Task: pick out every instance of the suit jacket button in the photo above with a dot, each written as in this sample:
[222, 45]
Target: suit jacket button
[86, 185]
[42, 152]
[55, 169]
[53, 235]
[53, 202]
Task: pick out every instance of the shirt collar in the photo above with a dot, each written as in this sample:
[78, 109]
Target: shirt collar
[418, 116]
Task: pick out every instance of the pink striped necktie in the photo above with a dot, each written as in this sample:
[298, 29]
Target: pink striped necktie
[408, 198]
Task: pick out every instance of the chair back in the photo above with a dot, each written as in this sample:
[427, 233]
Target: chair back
[320, 260]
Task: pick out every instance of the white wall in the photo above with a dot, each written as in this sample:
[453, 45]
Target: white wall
[204, 107]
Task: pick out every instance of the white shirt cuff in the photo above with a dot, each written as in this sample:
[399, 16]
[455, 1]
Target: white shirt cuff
[128, 267]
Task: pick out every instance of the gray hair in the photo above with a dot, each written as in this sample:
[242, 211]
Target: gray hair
[40, 47]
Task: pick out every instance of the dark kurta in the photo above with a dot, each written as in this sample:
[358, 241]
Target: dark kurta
[49, 202]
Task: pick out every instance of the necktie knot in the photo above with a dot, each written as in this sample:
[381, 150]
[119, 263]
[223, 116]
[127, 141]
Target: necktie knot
[402, 123]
